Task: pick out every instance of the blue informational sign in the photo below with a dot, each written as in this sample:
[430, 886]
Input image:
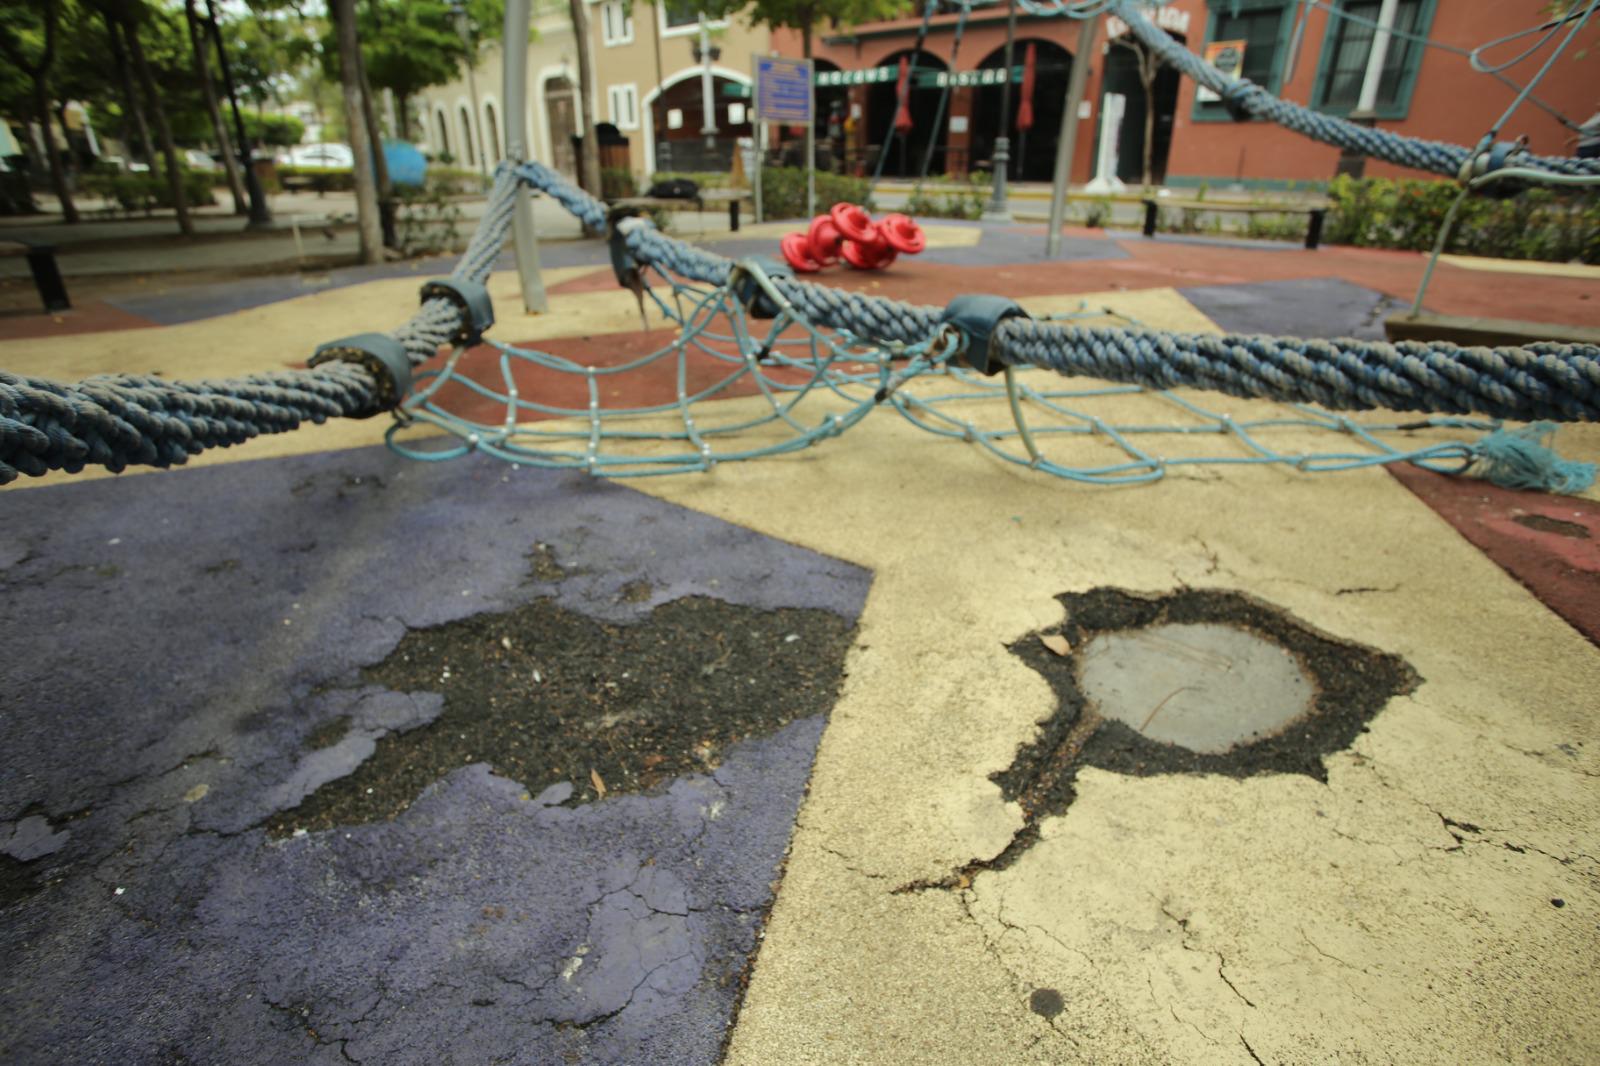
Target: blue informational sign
[783, 90]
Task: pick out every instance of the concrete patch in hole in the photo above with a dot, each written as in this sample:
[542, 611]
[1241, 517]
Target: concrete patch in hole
[1204, 687]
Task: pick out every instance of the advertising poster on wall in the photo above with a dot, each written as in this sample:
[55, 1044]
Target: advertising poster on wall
[1226, 56]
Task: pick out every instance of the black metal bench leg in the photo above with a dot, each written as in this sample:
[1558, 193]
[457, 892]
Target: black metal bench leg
[1314, 229]
[1150, 210]
[47, 276]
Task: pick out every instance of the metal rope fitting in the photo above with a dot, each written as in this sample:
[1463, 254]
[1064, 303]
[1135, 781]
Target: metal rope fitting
[976, 317]
[477, 310]
[747, 289]
[1233, 99]
[383, 356]
[623, 264]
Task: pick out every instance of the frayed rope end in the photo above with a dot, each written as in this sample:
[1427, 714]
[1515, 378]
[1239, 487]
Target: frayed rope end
[1522, 459]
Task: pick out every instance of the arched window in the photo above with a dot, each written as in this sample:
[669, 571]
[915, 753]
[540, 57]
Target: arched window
[466, 136]
[444, 134]
[492, 130]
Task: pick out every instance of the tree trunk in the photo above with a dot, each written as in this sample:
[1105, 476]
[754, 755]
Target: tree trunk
[589, 160]
[1147, 78]
[169, 150]
[58, 176]
[119, 56]
[380, 165]
[367, 217]
[202, 73]
[402, 114]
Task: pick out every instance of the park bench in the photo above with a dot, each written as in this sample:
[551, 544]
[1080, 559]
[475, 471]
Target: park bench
[46, 275]
[732, 198]
[1316, 212]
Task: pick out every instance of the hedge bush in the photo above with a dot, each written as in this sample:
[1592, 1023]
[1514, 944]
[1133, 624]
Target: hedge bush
[942, 196]
[783, 191]
[318, 179]
[147, 190]
[1536, 223]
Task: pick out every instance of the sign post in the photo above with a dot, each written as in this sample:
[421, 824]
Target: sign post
[784, 94]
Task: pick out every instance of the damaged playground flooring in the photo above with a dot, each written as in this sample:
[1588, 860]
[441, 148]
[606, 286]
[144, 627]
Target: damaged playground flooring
[884, 752]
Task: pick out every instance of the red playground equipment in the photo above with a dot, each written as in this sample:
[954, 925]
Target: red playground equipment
[847, 232]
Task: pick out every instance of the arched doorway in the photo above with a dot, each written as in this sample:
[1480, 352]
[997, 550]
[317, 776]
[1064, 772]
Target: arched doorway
[907, 154]
[561, 114]
[1033, 154]
[1124, 75]
[677, 116]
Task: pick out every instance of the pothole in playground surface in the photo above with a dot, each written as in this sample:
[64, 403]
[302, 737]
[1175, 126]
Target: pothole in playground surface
[1197, 681]
[547, 695]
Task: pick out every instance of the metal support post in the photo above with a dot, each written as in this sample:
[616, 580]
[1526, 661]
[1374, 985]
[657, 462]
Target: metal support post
[1068, 141]
[998, 210]
[515, 94]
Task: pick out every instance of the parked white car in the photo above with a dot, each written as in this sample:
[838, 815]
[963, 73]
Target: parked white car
[318, 155]
[195, 159]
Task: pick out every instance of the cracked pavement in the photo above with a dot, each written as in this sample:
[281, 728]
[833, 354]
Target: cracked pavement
[1425, 891]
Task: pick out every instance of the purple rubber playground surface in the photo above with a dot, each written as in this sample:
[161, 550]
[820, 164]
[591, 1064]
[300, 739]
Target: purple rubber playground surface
[172, 643]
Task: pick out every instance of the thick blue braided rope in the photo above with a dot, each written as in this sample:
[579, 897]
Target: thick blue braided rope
[117, 421]
[1439, 157]
[122, 420]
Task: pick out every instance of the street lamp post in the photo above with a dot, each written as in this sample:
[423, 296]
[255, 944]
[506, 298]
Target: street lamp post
[458, 12]
[708, 101]
[998, 210]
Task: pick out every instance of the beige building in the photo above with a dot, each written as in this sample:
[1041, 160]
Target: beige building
[650, 84]
[442, 116]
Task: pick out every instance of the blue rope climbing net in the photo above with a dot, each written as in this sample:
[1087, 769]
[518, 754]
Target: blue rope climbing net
[814, 361]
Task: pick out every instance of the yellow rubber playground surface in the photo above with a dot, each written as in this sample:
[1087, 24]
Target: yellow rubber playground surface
[1435, 900]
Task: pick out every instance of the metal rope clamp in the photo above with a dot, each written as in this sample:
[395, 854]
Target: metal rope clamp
[384, 358]
[976, 317]
[750, 293]
[477, 310]
[623, 264]
[1490, 158]
[1233, 99]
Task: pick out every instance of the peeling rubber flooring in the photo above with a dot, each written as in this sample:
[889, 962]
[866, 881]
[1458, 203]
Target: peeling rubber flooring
[194, 659]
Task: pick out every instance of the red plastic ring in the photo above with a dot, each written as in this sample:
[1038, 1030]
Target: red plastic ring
[902, 233]
[853, 223]
[824, 239]
[797, 251]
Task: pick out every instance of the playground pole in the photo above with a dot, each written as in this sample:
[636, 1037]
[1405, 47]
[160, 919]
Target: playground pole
[1068, 140]
[524, 235]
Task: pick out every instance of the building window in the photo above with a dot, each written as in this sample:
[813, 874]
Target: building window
[624, 101]
[679, 18]
[466, 137]
[1261, 26]
[444, 138]
[1343, 68]
[492, 128]
[616, 24]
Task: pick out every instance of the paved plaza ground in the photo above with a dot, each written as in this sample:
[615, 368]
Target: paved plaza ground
[315, 753]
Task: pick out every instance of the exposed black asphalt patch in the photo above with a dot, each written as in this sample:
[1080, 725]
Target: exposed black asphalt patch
[547, 695]
[1352, 684]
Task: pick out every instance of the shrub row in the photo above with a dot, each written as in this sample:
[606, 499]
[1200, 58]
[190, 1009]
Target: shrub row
[146, 191]
[1535, 223]
[783, 191]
